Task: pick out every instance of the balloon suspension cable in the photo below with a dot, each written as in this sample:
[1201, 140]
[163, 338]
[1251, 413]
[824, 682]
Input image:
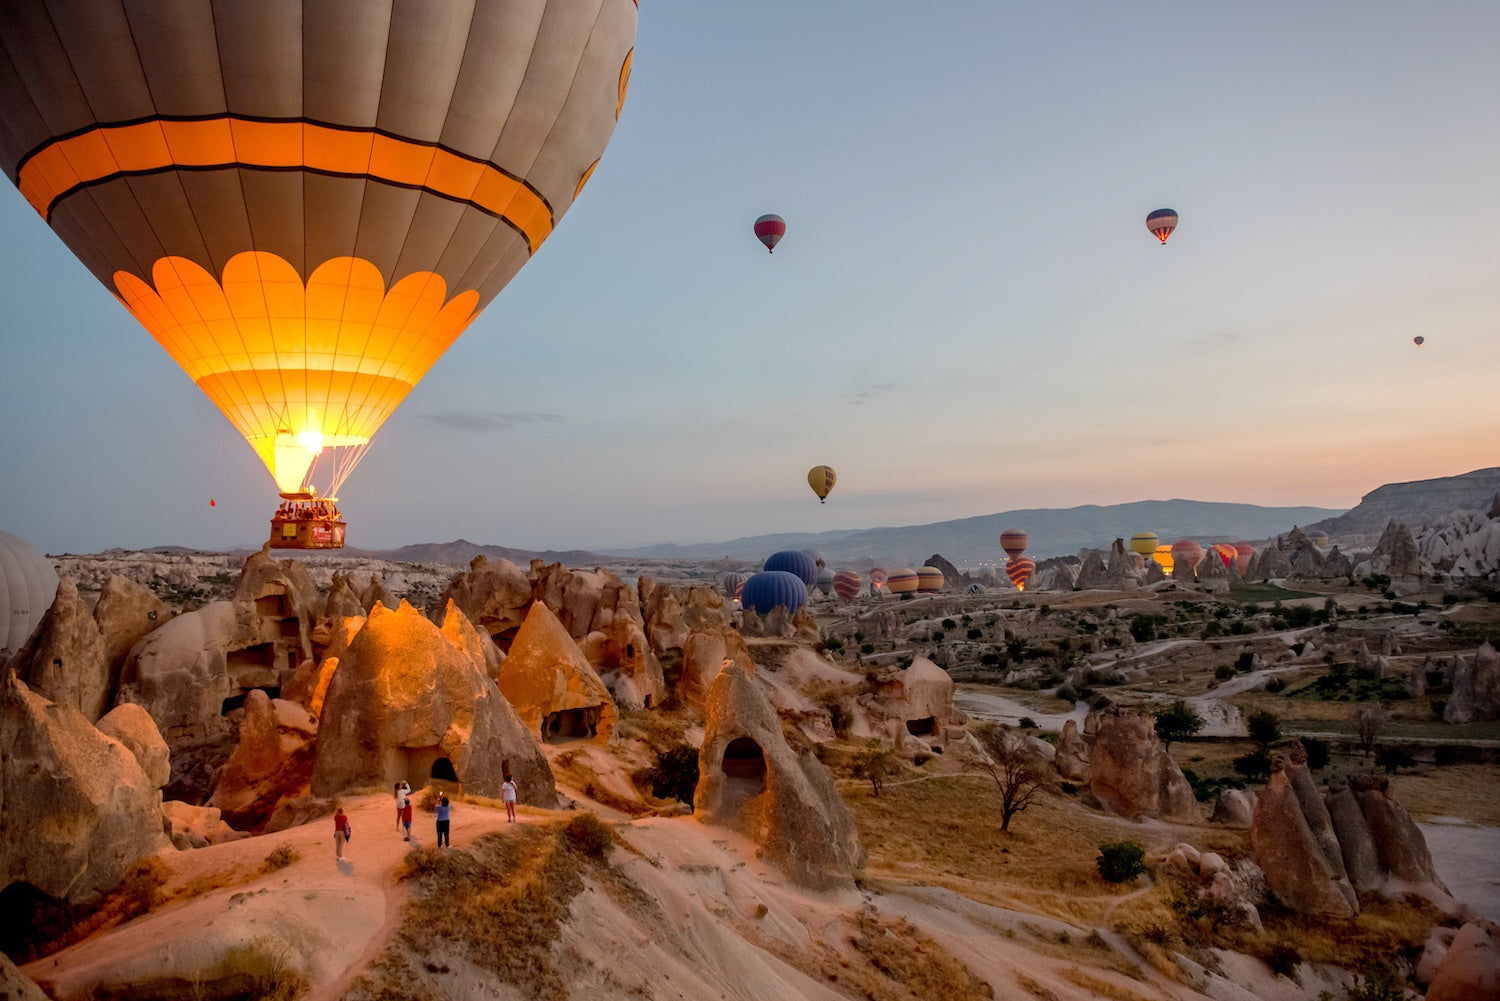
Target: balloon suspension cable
[343, 460]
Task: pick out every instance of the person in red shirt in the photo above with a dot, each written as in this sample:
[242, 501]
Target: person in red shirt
[341, 831]
[406, 818]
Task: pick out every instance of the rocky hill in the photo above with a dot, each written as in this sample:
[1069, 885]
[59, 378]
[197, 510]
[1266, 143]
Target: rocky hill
[1054, 532]
[1415, 503]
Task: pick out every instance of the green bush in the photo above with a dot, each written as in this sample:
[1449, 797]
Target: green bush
[1121, 861]
[1275, 685]
[1264, 727]
[1067, 693]
[1223, 672]
[1392, 757]
[1317, 752]
[1254, 766]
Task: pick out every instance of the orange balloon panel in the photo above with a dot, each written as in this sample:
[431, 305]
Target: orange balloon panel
[1163, 557]
[929, 580]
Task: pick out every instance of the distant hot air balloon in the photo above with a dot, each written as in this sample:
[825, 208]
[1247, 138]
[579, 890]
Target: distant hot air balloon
[1417, 340]
[1019, 569]
[1319, 538]
[877, 579]
[1163, 558]
[846, 584]
[1144, 543]
[822, 479]
[930, 580]
[793, 561]
[1161, 223]
[1014, 541]
[817, 557]
[1245, 552]
[903, 582]
[1225, 552]
[770, 588]
[305, 204]
[211, 502]
[733, 582]
[976, 588]
[1187, 551]
[769, 229]
[28, 586]
[824, 583]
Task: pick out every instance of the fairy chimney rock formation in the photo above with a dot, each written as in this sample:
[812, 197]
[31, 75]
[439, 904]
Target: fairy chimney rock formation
[1298, 870]
[551, 684]
[272, 761]
[1072, 757]
[1476, 688]
[125, 613]
[1131, 774]
[408, 703]
[64, 659]
[494, 595]
[752, 781]
[79, 809]
[927, 696]
[134, 728]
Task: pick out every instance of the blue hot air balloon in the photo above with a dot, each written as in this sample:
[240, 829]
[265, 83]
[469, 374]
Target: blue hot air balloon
[792, 561]
[769, 588]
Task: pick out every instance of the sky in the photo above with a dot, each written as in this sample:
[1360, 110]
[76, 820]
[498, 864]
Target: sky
[966, 316]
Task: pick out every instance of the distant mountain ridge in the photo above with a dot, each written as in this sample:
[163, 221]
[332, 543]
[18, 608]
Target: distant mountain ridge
[1415, 503]
[1053, 531]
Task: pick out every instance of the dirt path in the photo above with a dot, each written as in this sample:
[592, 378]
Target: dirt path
[334, 918]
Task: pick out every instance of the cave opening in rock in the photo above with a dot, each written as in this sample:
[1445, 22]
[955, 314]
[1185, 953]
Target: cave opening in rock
[924, 727]
[571, 724]
[443, 771]
[743, 759]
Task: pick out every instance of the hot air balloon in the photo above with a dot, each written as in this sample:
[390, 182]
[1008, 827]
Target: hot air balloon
[795, 562]
[902, 582]
[976, 588]
[818, 559]
[1144, 543]
[770, 588]
[305, 204]
[1019, 569]
[769, 229]
[846, 584]
[824, 583]
[1014, 541]
[733, 583]
[1163, 558]
[1225, 552]
[1417, 340]
[1319, 538]
[1187, 551]
[822, 479]
[1245, 551]
[28, 585]
[1161, 223]
[877, 579]
[930, 580]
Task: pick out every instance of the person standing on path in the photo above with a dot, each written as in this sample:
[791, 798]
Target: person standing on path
[341, 831]
[508, 793]
[403, 793]
[443, 813]
[406, 818]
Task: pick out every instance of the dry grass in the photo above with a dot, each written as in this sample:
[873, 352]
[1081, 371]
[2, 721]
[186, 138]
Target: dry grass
[903, 962]
[1450, 791]
[500, 903]
[1101, 988]
[660, 729]
[945, 831]
[35, 925]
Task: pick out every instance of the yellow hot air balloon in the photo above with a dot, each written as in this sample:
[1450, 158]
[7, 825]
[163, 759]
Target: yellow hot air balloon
[1144, 543]
[306, 203]
[822, 479]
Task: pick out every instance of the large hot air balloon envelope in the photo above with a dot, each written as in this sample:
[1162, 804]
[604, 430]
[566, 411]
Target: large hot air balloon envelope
[819, 560]
[1245, 551]
[1014, 541]
[793, 561]
[846, 584]
[902, 581]
[822, 479]
[306, 203]
[929, 580]
[770, 588]
[1225, 552]
[28, 585]
[1144, 543]
[1019, 569]
[1187, 551]
[733, 582]
[1163, 558]
[769, 229]
[1161, 223]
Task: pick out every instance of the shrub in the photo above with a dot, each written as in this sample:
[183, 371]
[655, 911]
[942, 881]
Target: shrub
[1317, 752]
[1067, 693]
[937, 636]
[1027, 723]
[675, 775]
[1245, 662]
[1254, 766]
[974, 634]
[1178, 721]
[867, 648]
[281, 856]
[1223, 672]
[1264, 727]
[1390, 757]
[589, 835]
[1275, 685]
[1283, 959]
[1121, 861]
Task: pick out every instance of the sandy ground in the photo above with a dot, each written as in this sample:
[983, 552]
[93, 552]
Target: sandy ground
[1467, 859]
[335, 916]
[988, 706]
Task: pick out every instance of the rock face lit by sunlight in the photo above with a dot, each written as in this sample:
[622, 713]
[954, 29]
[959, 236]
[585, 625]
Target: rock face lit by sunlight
[406, 702]
[551, 684]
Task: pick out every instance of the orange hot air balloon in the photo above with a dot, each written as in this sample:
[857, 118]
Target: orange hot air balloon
[1187, 551]
[305, 204]
[1014, 541]
[1225, 552]
[902, 581]
[1245, 552]
[1163, 558]
[1019, 569]
[930, 580]
[878, 579]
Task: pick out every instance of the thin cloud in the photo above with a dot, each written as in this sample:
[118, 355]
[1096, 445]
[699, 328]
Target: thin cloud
[868, 393]
[489, 420]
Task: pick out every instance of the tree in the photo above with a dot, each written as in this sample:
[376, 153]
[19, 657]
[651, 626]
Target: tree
[675, 775]
[1264, 727]
[1013, 766]
[1178, 721]
[875, 761]
[1121, 861]
[1368, 722]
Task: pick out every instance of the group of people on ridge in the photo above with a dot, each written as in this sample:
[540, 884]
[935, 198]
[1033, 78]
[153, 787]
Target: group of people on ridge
[343, 830]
